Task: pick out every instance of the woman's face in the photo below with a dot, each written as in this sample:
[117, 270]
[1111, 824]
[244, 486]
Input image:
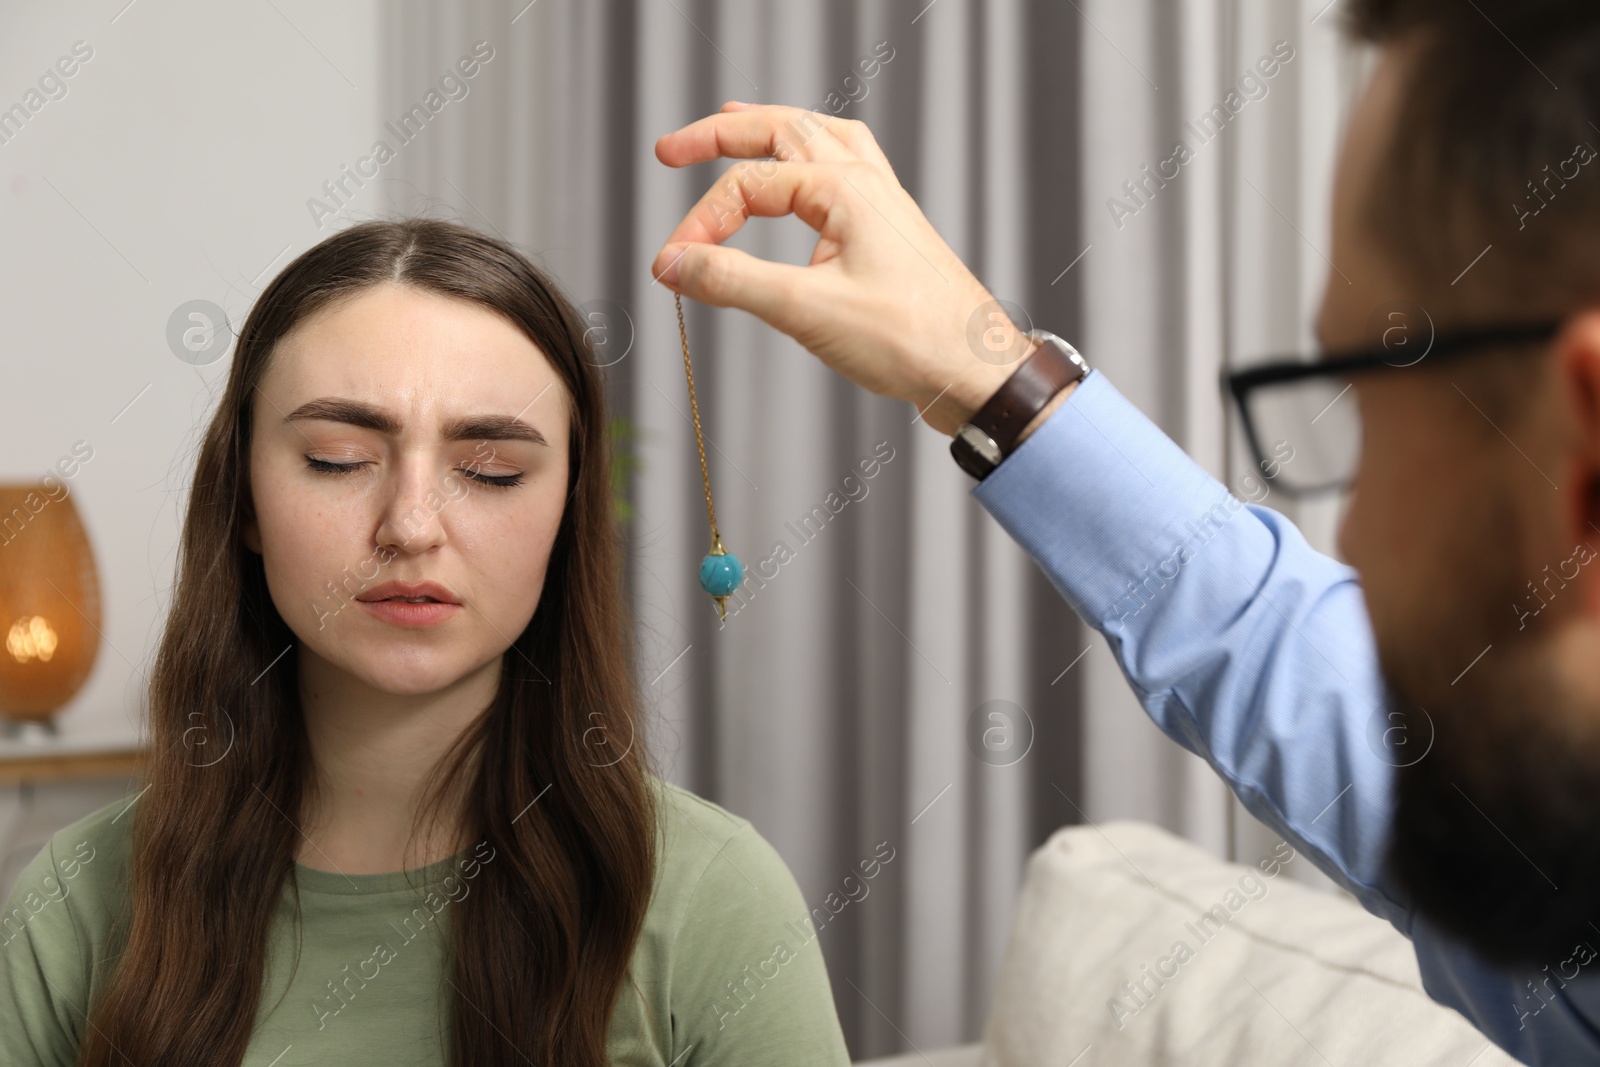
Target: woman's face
[380, 428]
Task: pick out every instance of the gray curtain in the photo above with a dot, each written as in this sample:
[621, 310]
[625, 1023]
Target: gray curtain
[838, 707]
[1222, 265]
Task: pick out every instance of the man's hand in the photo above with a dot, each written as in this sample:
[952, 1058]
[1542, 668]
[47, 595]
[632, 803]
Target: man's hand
[884, 301]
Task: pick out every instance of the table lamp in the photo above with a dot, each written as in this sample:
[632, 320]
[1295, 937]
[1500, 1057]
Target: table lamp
[49, 605]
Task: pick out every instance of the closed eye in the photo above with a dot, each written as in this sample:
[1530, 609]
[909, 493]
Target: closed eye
[322, 466]
[502, 481]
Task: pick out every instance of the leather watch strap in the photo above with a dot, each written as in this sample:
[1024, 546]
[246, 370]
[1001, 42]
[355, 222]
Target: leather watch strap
[1046, 371]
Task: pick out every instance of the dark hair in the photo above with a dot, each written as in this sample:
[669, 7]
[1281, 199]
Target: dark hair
[1499, 96]
[540, 949]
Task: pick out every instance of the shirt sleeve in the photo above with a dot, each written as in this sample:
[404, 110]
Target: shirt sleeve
[749, 984]
[43, 986]
[1255, 652]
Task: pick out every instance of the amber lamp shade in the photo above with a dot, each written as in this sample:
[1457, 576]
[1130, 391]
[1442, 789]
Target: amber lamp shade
[49, 601]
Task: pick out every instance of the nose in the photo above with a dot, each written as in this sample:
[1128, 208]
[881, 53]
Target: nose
[410, 520]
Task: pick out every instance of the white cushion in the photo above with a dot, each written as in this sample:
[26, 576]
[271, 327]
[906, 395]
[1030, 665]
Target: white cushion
[954, 1056]
[1283, 974]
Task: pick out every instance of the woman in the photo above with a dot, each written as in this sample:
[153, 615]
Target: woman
[398, 805]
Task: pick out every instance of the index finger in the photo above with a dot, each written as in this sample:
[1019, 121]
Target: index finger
[746, 131]
[799, 188]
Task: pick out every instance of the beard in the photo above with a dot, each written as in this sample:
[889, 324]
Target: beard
[1496, 835]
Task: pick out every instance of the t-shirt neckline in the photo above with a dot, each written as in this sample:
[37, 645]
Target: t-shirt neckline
[316, 880]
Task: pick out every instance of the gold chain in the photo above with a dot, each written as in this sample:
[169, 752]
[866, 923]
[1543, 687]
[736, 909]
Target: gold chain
[694, 408]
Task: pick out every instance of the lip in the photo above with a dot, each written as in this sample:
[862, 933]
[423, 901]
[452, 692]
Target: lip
[393, 588]
[401, 613]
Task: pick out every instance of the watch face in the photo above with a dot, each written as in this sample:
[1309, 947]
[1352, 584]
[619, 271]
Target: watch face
[975, 451]
[980, 442]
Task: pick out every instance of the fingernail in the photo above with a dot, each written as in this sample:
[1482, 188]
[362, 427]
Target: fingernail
[674, 256]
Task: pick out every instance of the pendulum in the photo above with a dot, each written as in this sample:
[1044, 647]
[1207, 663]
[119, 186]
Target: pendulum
[720, 572]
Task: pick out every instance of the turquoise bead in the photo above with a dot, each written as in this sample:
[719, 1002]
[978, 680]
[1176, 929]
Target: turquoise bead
[721, 574]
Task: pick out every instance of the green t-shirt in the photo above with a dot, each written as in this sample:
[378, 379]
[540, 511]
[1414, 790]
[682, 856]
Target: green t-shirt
[726, 971]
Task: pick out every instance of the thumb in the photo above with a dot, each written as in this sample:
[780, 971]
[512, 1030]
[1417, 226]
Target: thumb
[730, 277]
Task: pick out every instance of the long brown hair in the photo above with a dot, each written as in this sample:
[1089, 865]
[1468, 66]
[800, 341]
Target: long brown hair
[539, 951]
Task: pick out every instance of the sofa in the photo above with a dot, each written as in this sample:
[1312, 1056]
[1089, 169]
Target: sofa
[1133, 947]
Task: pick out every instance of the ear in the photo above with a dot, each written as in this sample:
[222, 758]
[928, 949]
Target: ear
[1578, 364]
[1577, 368]
[250, 530]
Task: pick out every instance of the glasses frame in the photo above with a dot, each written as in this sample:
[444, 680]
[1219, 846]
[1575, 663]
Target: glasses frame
[1346, 362]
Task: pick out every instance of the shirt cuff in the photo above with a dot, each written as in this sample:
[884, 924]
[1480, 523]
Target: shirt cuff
[1096, 487]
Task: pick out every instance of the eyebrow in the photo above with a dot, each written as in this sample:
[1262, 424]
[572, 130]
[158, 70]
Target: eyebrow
[366, 416]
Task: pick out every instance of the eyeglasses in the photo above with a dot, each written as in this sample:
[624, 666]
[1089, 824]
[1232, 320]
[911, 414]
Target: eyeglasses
[1305, 434]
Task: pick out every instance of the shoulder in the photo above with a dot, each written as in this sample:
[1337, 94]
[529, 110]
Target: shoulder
[713, 862]
[723, 895]
[53, 930]
[107, 829]
[728, 910]
[694, 834]
[87, 859]
[682, 812]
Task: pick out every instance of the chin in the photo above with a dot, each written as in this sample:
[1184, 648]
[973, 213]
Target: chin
[386, 665]
[414, 675]
[1496, 837]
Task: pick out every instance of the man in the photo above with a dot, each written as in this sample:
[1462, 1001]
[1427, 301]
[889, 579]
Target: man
[1476, 617]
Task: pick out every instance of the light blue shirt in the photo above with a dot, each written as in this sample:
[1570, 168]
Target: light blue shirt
[1254, 651]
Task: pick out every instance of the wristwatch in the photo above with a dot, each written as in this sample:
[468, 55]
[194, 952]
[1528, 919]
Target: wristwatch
[981, 443]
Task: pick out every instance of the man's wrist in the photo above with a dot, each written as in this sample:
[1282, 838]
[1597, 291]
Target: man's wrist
[963, 399]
